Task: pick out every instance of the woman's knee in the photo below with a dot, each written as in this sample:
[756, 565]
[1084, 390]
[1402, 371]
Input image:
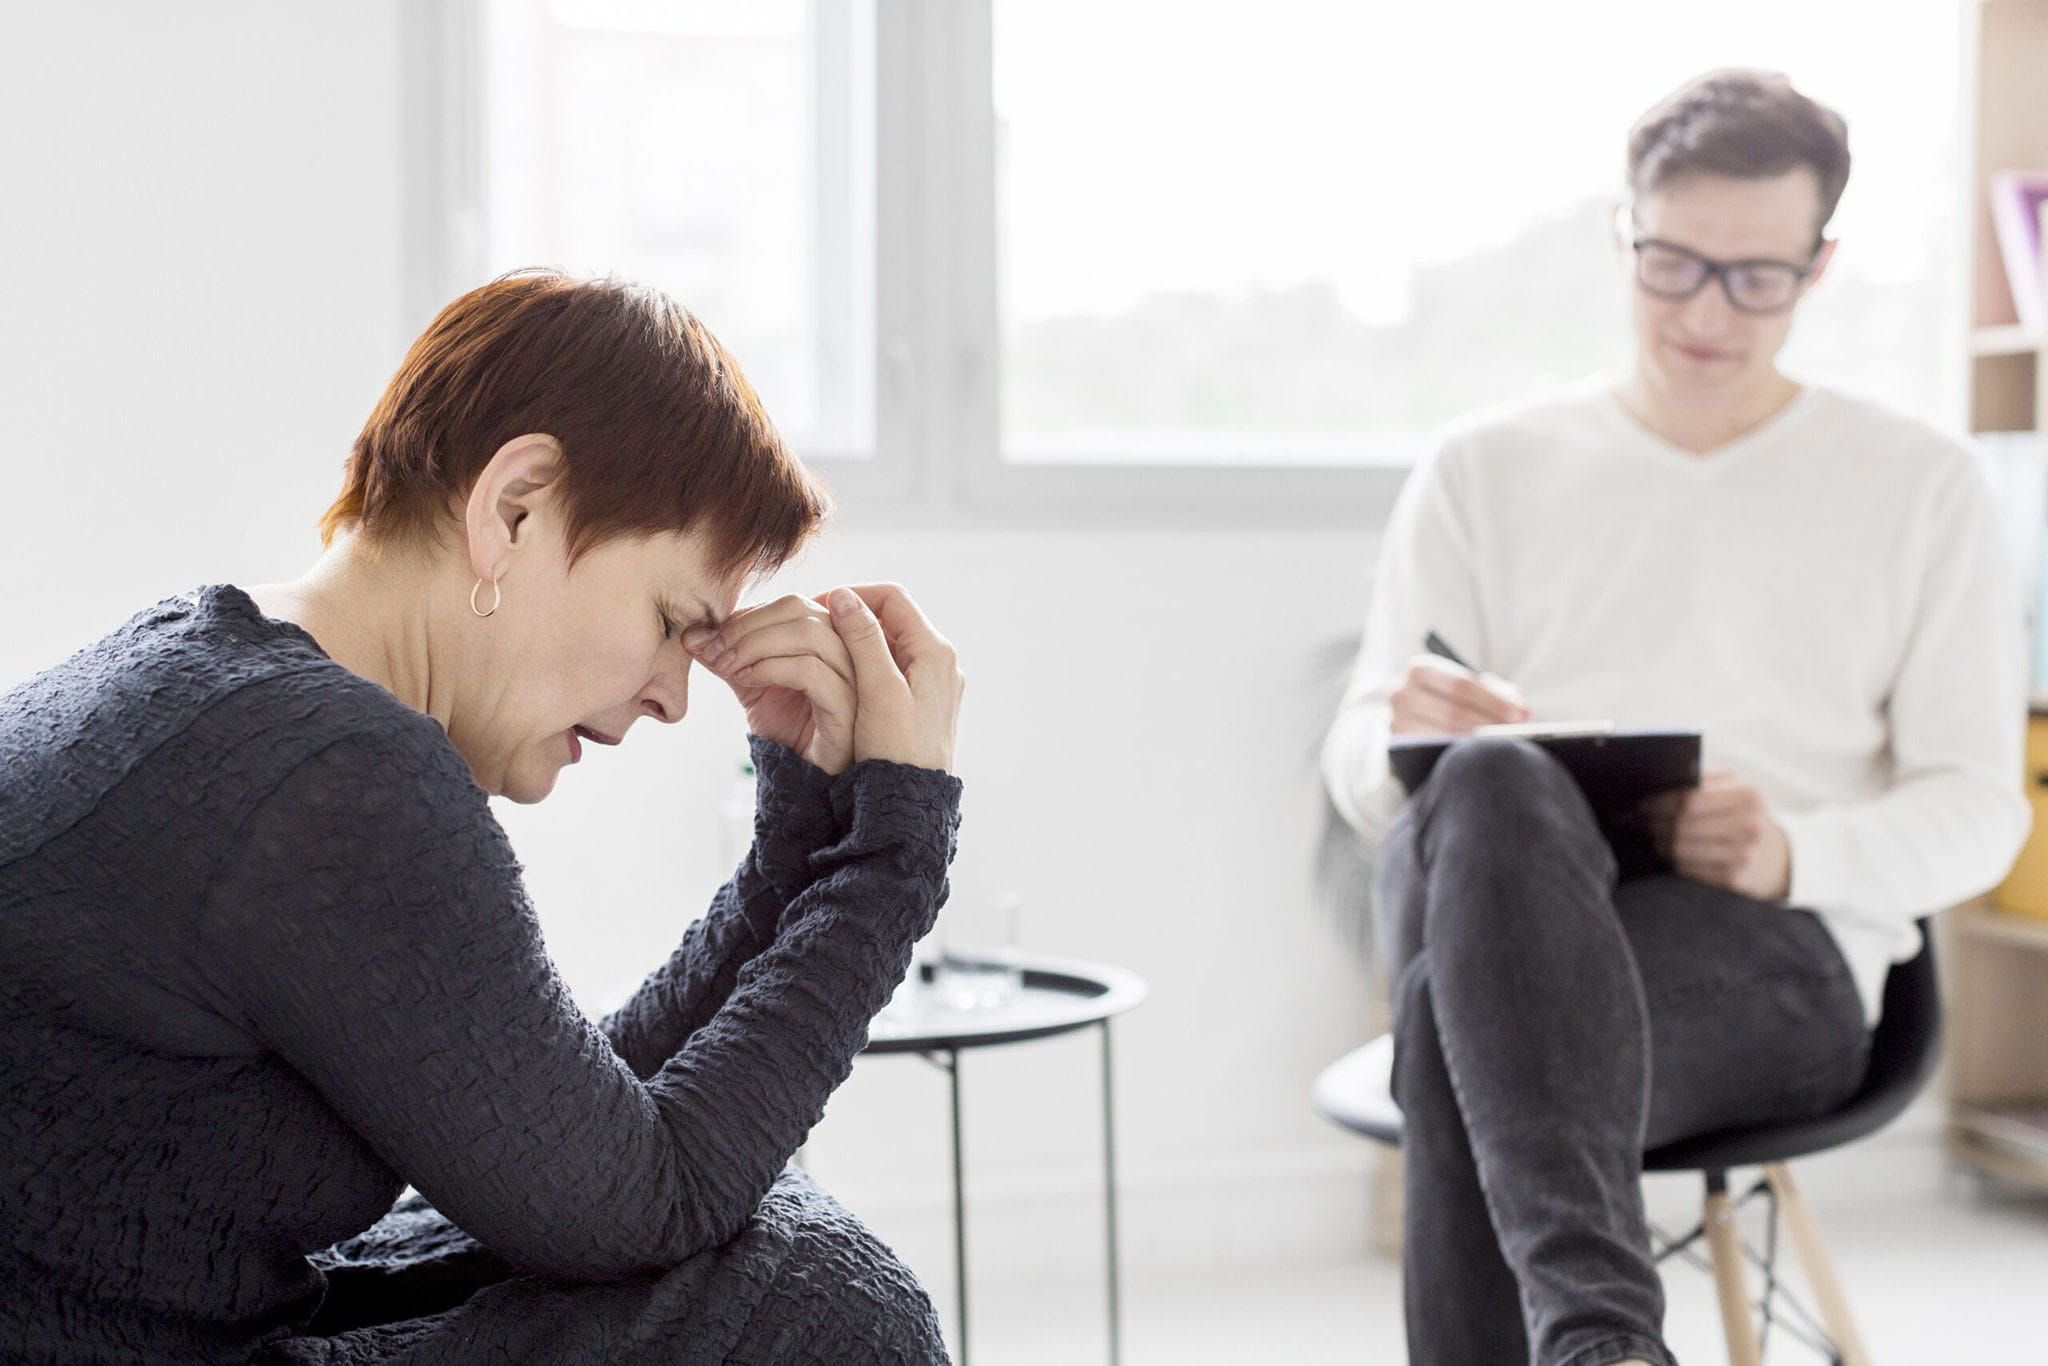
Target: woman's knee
[859, 1301]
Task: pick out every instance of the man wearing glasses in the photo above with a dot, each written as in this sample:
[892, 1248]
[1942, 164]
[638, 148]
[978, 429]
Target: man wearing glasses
[1819, 585]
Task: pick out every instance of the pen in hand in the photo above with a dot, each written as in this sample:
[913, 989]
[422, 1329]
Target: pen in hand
[1437, 645]
[1484, 690]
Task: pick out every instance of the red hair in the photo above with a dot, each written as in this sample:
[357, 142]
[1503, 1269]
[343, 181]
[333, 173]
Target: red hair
[660, 431]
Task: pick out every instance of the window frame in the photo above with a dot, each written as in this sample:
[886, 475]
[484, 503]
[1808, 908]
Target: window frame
[937, 346]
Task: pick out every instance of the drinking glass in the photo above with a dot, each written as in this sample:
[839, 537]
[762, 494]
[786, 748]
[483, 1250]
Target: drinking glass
[978, 965]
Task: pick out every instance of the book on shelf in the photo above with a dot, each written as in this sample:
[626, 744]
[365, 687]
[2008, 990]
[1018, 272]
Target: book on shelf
[2017, 198]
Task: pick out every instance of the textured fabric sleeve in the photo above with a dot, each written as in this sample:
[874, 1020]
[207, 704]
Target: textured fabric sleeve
[1955, 814]
[372, 930]
[1424, 582]
[792, 820]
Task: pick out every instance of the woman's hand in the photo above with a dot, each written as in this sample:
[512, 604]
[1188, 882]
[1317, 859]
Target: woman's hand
[791, 671]
[1437, 697]
[908, 677]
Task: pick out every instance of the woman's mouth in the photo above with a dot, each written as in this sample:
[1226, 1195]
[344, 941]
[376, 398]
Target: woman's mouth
[578, 734]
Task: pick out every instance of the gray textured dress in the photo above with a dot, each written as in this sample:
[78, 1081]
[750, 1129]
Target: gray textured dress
[265, 960]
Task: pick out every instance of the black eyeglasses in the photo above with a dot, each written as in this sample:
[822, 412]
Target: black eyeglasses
[1670, 271]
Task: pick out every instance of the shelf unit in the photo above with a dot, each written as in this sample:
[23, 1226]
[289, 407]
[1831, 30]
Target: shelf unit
[1998, 1042]
[1996, 961]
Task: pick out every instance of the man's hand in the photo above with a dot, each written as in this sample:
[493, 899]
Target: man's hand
[1437, 697]
[1722, 834]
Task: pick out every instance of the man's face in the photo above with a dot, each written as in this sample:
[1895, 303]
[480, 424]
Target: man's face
[1704, 347]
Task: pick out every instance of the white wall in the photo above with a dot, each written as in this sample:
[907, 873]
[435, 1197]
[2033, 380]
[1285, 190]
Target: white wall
[202, 211]
[199, 215]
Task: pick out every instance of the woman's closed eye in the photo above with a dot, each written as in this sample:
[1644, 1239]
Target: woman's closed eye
[673, 623]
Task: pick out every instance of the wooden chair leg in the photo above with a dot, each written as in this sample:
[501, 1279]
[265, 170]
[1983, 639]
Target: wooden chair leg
[1729, 1281]
[1804, 1230]
[1389, 1190]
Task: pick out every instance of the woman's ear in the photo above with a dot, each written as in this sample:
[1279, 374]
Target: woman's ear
[518, 482]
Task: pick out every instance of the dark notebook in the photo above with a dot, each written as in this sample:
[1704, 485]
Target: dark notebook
[1614, 768]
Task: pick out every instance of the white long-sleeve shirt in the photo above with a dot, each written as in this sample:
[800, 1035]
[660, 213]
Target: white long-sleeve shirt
[1828, 599]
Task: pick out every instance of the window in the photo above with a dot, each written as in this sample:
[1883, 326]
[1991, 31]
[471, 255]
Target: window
[719, 149]
[1050, 257]
[1301, 232]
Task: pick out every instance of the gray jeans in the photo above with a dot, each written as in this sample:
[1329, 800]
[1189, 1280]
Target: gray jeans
[1554, 1015]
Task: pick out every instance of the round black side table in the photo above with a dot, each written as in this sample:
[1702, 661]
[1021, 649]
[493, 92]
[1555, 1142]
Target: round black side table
[1058, 996]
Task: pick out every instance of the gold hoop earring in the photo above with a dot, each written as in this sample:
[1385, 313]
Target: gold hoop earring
[496, 597]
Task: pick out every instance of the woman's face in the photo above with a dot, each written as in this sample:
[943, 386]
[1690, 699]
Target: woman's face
[586, 652]
[572, 656]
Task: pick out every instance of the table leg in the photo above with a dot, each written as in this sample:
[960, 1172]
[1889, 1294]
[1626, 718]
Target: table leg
[959, 1208]
[1116, 1354]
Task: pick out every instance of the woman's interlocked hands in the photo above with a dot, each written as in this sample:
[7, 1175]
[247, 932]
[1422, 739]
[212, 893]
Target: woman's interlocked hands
[858, 673]
[792, 673]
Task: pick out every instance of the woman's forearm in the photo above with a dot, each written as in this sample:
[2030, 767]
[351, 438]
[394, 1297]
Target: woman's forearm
[793, 820]
[745, 1090]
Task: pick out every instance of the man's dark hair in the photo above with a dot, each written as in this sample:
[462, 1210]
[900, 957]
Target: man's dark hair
[1746, 124]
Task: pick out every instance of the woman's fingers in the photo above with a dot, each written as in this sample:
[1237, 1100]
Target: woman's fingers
[892, 605]
[804, 635]
[708, 642]
[908, 681]
[866, 658]
[831, 695]
[874, 664]
[910, 634]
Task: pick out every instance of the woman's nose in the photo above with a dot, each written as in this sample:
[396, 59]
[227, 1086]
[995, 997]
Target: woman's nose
[668, 693]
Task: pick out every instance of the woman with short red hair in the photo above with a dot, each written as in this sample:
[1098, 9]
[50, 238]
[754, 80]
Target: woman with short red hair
[265, 957]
